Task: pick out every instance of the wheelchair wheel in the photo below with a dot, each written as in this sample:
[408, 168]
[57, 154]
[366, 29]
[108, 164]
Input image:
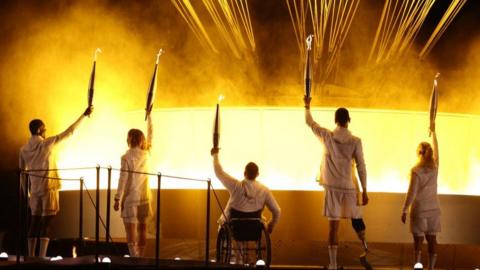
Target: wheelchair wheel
[224, 246]
[264, 250]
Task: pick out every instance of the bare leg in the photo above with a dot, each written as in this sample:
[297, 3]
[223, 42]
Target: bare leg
[44, 237]
[333, 232]
[33, 234]
[432, 250]
[417, 243]
[142, 238]
[333, 243]
[131, 231]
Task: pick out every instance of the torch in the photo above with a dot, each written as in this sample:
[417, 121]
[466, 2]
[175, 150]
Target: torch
[308, 67]
[152, 88]
[91, 84]
[216, 134]
[433, 103]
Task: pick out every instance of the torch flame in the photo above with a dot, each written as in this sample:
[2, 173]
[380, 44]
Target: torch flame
[220, 98]
[160, 52]
[309, 42]
[98, 50]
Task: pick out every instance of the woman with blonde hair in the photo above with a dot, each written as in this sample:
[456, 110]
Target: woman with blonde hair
[133, 193]
[422, 200]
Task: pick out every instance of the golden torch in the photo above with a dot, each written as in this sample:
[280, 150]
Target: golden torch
[91, 84]
[216, 133]
[153, 87]
[308, 67]
[433, 103]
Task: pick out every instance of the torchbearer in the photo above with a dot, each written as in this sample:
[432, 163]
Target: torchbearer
[341, 151]
[248, 197]
[91, 84]
[133, 193]
[44, 197]
[153, 87]
[422, 199]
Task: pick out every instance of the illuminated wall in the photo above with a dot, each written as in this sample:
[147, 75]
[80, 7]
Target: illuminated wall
[278, 140]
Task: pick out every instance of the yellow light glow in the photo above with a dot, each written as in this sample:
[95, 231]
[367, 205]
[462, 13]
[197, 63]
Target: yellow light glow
[278, 140]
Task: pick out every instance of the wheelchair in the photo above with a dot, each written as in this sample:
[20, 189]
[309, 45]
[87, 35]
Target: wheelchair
[244, 236]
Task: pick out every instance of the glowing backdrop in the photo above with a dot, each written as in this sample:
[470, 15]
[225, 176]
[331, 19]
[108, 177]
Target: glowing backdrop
[277, 139]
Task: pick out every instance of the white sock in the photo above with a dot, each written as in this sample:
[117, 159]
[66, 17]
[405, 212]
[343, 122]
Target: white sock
[43, 246]
[432, 260]
[418, 256]
[332, 253]
[132, 249]
[32, 244]
[141, 251]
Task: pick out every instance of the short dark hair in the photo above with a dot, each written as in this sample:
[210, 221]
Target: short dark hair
[251, 171]
[34, 125]
[341, 116]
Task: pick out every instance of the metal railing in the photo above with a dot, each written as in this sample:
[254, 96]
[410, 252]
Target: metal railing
[23, 196]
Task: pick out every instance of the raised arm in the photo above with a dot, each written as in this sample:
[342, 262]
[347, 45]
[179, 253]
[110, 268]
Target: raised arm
[228, 181]
[435, 148]
[149, 131]
[69, 131]
[316, 128]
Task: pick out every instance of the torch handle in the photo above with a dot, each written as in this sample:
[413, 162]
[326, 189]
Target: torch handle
[216, 134]
[308, 75]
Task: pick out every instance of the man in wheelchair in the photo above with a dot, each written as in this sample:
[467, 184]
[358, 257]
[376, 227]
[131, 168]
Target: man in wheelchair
[248, 197]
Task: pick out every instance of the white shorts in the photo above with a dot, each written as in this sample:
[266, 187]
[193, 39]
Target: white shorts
[46, 204]
[340, 205]
[136, 214]
[420, 226]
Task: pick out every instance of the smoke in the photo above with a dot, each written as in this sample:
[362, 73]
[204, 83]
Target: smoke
[48, 48]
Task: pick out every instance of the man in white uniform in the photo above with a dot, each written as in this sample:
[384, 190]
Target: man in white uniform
[247, 195]
[44, 205]
[341, 151]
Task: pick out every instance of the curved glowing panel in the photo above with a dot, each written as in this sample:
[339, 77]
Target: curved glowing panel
[278, 140]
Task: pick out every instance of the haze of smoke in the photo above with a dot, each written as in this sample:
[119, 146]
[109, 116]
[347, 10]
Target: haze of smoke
[47, 60]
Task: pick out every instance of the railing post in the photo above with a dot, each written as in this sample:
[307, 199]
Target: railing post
[80, 214]
[157, 236]
[19, 217]
[207, 225]
[25, 224]
[97, 215]
[109, 187]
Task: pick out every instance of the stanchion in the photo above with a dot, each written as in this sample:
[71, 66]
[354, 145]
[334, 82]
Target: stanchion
[19, 216]
[207, 233]
[80, 213]
[157, 236]
[97, 215]
[25, 224]
[109, 190]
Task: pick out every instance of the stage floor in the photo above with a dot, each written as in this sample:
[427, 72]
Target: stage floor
[190, 254]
